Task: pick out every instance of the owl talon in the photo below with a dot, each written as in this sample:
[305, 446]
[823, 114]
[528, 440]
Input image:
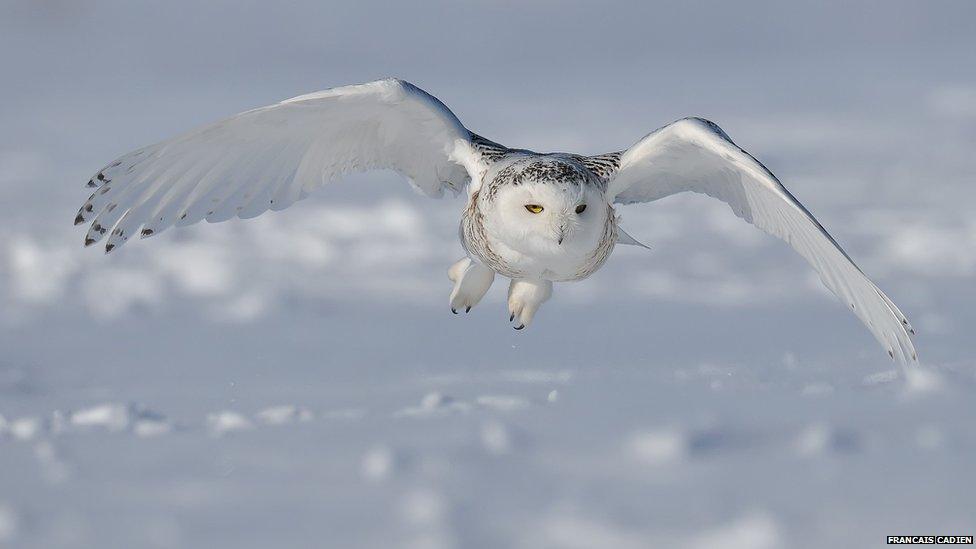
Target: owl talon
[471, 282]
[525, 296]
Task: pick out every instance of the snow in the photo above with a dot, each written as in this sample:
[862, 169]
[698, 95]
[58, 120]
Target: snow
[496, 437]
[25, 428]
[297, 380]
[434, 404]
[657, 447]
[354, 444]
[286, 413]
[752, 531]
[227, 421]
[9, 522]
[377, 464]
[502, 403]
[151, 428]
[114, 417]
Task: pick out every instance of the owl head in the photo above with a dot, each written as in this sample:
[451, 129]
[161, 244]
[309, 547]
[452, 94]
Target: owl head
[545, 205]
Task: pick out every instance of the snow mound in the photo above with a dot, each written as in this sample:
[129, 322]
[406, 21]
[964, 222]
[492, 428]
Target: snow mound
[25, 428]
[434, 404]
[9, 523]
[496, 438]
[221, 423]
[116, 417]
[281, 415]
[819, 439]
[657, 448]
[378, 464]
[502, 403]
[756, 530]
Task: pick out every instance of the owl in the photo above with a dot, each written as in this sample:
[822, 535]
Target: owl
[534, 218]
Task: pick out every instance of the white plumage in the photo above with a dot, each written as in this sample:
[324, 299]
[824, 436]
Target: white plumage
[536, 218]
[270, 157]
[696, 155]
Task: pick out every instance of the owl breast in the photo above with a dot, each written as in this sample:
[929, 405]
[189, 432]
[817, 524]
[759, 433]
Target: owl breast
[560, 263]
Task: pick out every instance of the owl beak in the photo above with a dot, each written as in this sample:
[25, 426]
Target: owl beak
[561, 235]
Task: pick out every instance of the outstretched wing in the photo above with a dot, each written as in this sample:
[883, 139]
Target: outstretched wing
[270, 157]
[696, 155]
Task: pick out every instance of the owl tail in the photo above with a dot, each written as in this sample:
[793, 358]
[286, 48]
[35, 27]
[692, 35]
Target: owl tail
[624, 238]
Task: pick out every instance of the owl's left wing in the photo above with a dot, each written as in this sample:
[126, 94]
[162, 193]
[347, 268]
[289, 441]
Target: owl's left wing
[696, 155]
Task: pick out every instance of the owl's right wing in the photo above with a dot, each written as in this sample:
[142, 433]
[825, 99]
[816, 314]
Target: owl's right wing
[271, 157]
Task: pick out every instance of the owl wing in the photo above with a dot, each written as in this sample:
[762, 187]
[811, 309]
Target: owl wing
[696, 155]
[270, 157]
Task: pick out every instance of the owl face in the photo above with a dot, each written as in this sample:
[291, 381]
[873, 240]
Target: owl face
[547, 210]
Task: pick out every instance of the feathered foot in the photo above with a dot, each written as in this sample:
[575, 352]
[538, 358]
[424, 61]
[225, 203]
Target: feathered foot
[525, 296]
[471, 282]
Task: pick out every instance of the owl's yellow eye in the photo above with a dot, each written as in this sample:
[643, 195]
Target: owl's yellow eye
[534, 208]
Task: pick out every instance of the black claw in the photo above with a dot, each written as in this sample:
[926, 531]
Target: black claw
[520, 326]
[511, 318]
[453, 311]
[467, 309]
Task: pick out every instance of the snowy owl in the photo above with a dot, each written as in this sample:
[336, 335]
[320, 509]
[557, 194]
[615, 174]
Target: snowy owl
[534, 218]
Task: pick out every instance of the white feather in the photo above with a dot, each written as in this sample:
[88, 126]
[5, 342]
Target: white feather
[696, 155]
[268, 158]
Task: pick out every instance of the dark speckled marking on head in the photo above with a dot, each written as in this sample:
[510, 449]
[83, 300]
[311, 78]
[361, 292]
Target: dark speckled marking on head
[543, 169]
[553, 171]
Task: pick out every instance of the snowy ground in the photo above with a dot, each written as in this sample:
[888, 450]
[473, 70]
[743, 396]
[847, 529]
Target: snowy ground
[298, 380]
[381, 427]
